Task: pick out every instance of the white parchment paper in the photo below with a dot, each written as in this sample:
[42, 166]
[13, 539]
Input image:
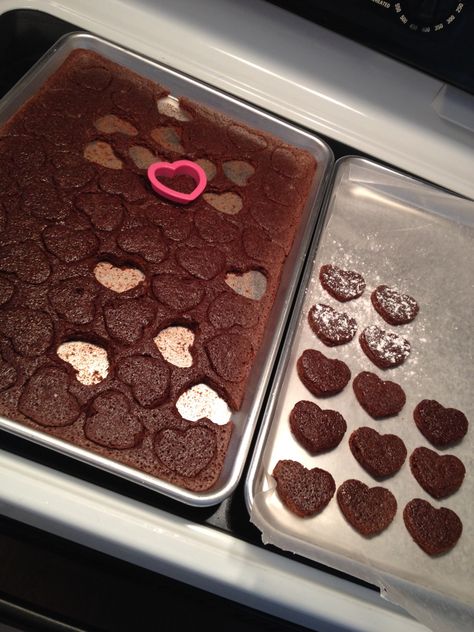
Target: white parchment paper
[400, 232]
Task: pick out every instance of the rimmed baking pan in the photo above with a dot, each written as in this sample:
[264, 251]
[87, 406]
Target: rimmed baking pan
[245, 419]
[397, 231]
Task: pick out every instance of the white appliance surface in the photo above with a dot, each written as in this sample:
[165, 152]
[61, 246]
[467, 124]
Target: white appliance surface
[327, 84]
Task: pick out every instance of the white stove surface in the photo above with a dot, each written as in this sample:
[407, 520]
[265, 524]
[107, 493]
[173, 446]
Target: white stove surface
[325, 83]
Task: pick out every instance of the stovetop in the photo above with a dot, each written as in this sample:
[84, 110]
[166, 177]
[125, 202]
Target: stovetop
[28, 34]
[431, 35]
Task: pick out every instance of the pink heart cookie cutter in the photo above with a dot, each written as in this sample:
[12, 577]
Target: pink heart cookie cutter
[173, 169]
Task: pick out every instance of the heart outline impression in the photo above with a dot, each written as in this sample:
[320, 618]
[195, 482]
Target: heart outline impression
[173, 169]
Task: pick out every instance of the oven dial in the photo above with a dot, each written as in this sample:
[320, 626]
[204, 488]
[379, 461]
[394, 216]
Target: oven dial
[427, 16]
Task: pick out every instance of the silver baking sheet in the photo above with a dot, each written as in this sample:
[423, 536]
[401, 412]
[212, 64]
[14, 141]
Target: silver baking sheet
[397, 231]
[179, 85]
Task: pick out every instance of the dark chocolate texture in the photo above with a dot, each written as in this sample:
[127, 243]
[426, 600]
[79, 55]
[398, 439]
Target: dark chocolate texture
[380, 455]
[442, 426]
[331, 327]
[436, 531]
[394, 307]
[379, 398]
[439, 474]
[343, 285]
[369, 510]
[315, 429]
[74, 192]
[321, 375]
[304, 492]
[384, 348]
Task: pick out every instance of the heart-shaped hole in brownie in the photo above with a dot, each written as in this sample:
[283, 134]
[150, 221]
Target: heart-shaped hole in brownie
[251, 284]
[101, 153]
[174, 344]
[201, 401]
[142, 156]
[112, 124]
[89, 360]
[169, 106]
[168, 137]
[118, 278]
[229, 203]
[238, 171]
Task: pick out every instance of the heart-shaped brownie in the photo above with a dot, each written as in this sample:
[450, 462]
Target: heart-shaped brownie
[394, 307]
[441, 426]
[439, 475]
[126, 320]
[144, 241]
[435, 531]
[321, 375]
[379, 398]
[213, 228]
[229, 309]
[111, 423]
[384, 348]
[46, 398]
[27, 260]
[257, 245]
[380, 455]
[8, 374]
[69, 244]
[230, 356]
[73, 299]
[186, 452]
[369, 510]
[317, 430]
[203, 263]
[148, 377]
[343, 285]
[176, 224]
[105, 211]
[179, 294]
[30, 331]
[304, 492]
[330, 326]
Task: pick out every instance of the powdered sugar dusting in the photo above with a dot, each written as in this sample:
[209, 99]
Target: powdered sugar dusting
[89, 360]
[201, 401]
[394, 307]
[384, 348]
[331, 327]
[174, 343]
[344, 285]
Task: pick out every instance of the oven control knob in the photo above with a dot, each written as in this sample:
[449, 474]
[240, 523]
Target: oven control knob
[428, 16]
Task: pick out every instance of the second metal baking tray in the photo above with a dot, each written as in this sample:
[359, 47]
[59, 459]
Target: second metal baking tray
[398, 231]
[245, 419]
